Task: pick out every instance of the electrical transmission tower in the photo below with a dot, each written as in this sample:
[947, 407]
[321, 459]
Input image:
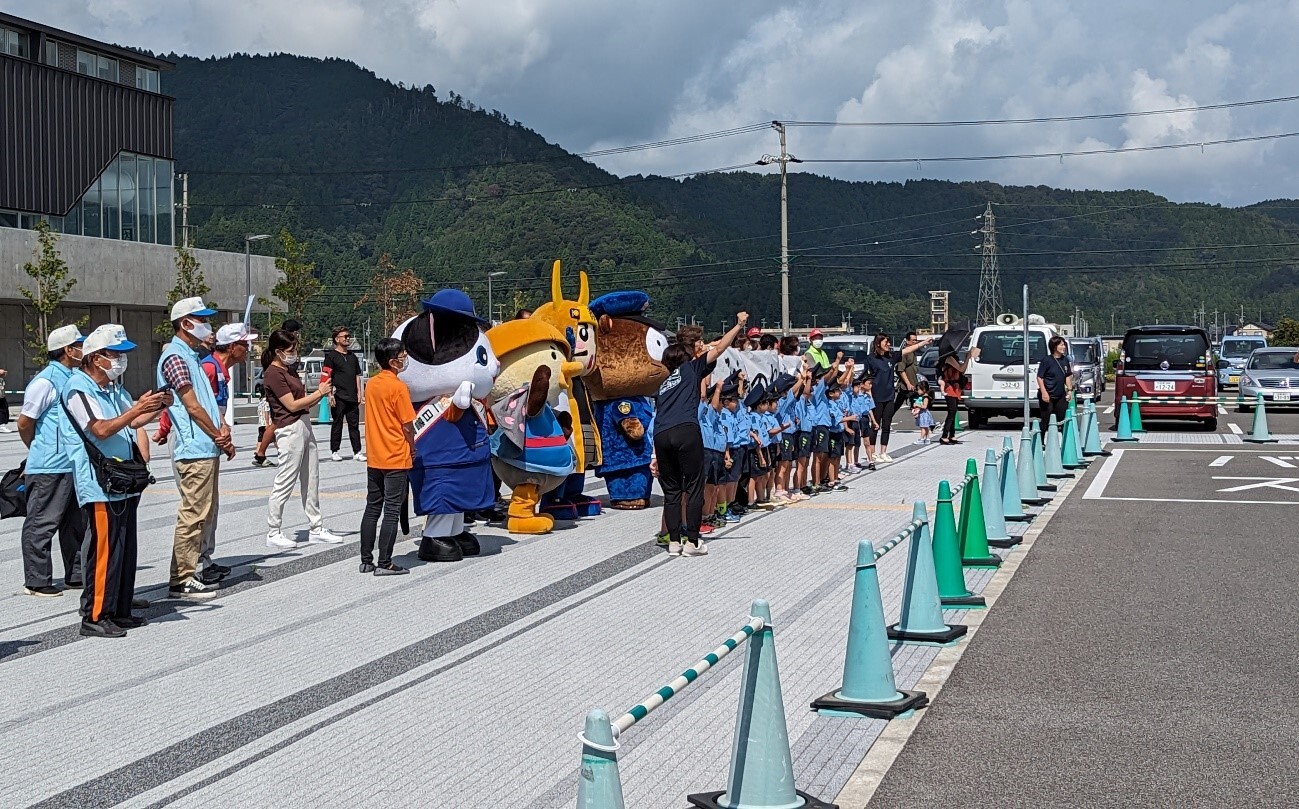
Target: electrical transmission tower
[989, 277]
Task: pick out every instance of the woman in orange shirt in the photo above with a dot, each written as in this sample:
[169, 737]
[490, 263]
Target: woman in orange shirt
[389, 442]
[953, 376]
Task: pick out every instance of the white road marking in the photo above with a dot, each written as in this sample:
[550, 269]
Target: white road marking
[1235, 428]
[1261, 483]
[1202, 500]
[1102, 479]
[1281, 462]
[1221, 460]
[1109, 410]
[1222, 410]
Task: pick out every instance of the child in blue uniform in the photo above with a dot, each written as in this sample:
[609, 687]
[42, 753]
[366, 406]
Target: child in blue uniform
[715, 454]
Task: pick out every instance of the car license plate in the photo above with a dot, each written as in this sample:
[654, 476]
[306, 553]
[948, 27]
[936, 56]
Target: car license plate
[1280, 397]
[1010, 385]
[1234, 378]
[1168, 386]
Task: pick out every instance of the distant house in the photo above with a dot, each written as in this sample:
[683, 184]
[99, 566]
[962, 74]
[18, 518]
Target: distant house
[1259, 329]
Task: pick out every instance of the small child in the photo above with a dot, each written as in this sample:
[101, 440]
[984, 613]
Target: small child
[715, 445]
[871, 429]
[264, 427]
[736, 424]
[920, 409]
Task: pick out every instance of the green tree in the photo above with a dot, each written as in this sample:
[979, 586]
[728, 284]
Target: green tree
[298, 282]
[1286, 332]
[50, 272]
[190, 283]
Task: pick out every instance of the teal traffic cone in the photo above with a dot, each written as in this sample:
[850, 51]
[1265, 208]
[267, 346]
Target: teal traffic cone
[599, 785]
[1039, 461]
[869, 688]
[994, 520]
[1084, 419]
[1092, 437]
[322, 413]
[1134, 414]
[948, 570]
[1028, 493]
[1125, 423]
[1070, 458]
[1012, 506]
[921, 617]
[1260, 433]
[1054, 463]
[761, 774]
[973, 530]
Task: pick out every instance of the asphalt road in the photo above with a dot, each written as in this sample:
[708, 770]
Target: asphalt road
[1143, 655]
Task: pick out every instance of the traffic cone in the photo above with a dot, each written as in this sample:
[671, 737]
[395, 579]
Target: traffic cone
[322, 413]
[1054, 465]
[761, 774]
[1260, 434]
[1092, 439]
[952, 591]
[994, 521]
[1134, 414]
[1125, 423]
[869, 688]
[921, 618]
[599, 785]
[1012, 505]
[1070, 458]
[1084, 419]
[974, 531]
[1028, 493]
[1039, 460]
[956, 421]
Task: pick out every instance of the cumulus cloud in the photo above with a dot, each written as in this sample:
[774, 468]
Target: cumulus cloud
[590, 74]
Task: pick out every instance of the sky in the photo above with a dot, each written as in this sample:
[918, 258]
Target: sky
[597, 74]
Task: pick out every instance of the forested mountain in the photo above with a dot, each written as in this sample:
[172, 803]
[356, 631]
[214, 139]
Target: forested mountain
[359, 167]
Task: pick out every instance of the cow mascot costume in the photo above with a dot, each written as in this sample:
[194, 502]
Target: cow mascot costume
[628, 371]
[451, 367]
[530, 452]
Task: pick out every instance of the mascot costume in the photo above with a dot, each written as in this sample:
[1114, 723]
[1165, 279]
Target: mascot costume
[628, 371]
[573, 319]
[451, 367]
[530, 452]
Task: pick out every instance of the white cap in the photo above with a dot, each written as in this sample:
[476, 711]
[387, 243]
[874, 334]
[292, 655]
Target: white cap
[110, 336]
[62, 337]
[190, 306]
[232, 333]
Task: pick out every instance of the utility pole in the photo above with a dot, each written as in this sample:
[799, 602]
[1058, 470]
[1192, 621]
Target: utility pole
[784, 159]
[989, 275]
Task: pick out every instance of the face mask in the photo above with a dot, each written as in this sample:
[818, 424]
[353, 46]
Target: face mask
[818, 343]
[290, 359]
[116, 367]
[200, 331]
[398, 366]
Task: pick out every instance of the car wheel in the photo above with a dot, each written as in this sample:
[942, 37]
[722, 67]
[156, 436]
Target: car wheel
[1211, 425]
[1240, 408]
[976, 420]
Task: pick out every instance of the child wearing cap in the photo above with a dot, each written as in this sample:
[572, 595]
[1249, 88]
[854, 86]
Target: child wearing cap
[755, 405]
[736, 423]
[786, 417]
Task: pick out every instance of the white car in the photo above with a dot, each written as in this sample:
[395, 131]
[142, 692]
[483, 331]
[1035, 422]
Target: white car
[996, 377]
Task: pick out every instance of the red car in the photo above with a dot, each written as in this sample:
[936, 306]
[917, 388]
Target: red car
[1171, 369]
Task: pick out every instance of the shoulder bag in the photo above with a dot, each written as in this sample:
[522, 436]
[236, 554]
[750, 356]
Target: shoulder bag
[115, 475]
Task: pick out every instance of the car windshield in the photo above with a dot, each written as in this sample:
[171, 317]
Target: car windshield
[1154, 351]
[1007, 347]
[858, 350]
[1237, 349]
[1083, 352]
[929, 357]
[1274, 361]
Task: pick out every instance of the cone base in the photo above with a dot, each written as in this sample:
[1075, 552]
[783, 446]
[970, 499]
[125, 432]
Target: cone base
[1032, 501]
[1046, 487]
[981, 561]
[709, 800]
[1059, 475]
[1019, 517]
[950, 635]
[967, 602]
[1131, 440]
[1261, 441]
[835, 705]
[1005, 543]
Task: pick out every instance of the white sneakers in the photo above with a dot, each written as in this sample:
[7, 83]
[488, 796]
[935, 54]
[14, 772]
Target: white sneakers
[883, 457]
[324, 537]
[5, 428]
[336, 457]
[277, 539]
[360, 456]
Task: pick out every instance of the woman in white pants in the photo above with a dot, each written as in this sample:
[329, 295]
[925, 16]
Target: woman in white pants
[299, 462]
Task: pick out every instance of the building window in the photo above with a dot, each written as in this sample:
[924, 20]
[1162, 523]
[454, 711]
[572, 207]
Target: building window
[14, 43]
[51, 52]
[93, 64]
[146, 78]
[107, 68]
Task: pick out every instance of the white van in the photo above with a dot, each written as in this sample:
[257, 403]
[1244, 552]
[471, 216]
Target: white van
[996, 386]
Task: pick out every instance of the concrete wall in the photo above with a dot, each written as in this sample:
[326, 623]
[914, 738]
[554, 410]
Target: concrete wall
[117, 282]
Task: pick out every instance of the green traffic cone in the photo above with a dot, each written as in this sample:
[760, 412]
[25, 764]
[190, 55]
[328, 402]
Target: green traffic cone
[921, 617]
[599, 785]
[1260, 433]
[952, 591]
[1125, 423]
[956, 417]
[974, 539]
[1134, 413]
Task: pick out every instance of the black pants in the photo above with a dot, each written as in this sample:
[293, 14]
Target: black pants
[884, 415]
[680, 454]
[51, 509]
[386, 493]
[109, 553]
[4, 410]
[949, 426]
[1056, 407]
[344, 410]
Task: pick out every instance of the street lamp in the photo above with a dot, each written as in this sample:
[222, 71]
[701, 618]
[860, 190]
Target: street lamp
[490, 276]
[248, 295]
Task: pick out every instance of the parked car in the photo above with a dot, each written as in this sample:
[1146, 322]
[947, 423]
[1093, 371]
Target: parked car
[1172, 369]
[854, 347]
[1235, 351]
[996, 377]
[1088, 362]
[1272, 372]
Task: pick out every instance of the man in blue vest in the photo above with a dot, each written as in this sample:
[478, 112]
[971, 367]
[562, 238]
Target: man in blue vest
[201, 438]
[51, 491]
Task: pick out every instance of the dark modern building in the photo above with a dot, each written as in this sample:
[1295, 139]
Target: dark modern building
[86, 145]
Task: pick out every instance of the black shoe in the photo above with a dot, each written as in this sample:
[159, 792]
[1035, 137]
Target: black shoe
[48, 591]
[141, 603]
[439, 549]
[103, 628]
[468, 543]
[73, 584]
[390, 570]
[211, 576]
[131, 621]
[839, 487]
[366, 567]
[808, 490]
[222, 569]
[870, 467]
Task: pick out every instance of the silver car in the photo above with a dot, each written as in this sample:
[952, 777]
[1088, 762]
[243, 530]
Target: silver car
[1088, 366]
[1273, 372]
